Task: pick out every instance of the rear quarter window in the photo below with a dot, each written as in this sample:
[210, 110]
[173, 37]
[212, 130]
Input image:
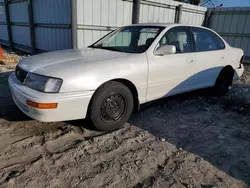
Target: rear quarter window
[219, 41]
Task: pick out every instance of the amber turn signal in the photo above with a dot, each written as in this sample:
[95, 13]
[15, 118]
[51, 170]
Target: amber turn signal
[41, 105]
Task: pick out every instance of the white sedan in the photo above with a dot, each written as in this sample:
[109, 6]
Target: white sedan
[126, 68]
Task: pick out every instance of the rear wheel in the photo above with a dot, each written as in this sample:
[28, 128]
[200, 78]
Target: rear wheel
[223, 81]
[111, 106]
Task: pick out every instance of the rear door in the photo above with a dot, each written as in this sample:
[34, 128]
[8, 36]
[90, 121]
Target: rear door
[210, 57]
[171, 74]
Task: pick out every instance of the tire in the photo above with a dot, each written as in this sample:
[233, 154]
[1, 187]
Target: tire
[223, 82]
[111, 106]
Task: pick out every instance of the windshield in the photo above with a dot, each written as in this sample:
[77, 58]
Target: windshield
[131, 39]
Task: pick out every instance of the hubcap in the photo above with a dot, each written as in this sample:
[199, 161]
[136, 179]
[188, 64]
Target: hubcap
[113, 107]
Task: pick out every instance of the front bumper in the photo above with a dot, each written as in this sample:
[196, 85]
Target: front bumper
[71, 106]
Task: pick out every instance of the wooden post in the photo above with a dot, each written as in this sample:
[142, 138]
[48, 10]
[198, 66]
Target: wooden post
[207, 18]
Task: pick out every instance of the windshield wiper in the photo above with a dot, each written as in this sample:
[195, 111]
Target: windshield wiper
[106, 48]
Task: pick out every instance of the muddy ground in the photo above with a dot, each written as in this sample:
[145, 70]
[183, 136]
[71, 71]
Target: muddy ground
[190, 140]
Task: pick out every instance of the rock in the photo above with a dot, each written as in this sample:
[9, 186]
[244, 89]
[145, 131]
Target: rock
[65, 129]
[78, 130]
[13, 174]
[241, 109]
[163, 139]
[180, 149]
[138, 162]
[199, 159]
[206, 109]
[184, 126]
[230, 87]
[141, 136]
[221, 137]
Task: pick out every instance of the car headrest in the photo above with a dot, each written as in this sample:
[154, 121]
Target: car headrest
[177, 44]
[149, 41]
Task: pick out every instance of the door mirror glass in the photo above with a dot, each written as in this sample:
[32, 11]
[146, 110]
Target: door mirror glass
[165, 50]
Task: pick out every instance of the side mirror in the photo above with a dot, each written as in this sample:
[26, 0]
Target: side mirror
[165, 50]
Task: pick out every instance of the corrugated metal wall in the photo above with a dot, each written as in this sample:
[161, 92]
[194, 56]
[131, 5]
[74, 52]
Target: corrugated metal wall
[233, 24]
[193, 15]
[52, 20]
[3, 26]
[164, 11]
[96, 18]
[20, 30]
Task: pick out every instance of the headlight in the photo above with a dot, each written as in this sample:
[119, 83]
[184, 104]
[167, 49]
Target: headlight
[43, 83]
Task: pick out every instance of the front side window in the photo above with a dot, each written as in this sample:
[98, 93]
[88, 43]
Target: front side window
[131, 39]
[206, 40]
[179, 37]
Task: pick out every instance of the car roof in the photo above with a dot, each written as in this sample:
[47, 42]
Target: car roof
[165, 25]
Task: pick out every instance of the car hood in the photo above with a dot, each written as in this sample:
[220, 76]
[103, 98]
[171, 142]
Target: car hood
[65, 57]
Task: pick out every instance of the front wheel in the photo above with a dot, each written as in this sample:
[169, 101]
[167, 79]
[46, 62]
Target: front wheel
[111, 106]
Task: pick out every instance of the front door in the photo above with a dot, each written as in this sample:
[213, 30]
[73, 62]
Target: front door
[172, 74]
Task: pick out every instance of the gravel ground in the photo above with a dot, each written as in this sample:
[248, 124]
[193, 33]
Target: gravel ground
[8, 54]
[190, 140]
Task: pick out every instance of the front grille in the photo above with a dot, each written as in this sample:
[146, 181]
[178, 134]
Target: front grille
[21, 74]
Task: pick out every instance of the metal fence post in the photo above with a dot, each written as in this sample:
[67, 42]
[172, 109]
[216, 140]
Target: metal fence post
[207, 18]
[32, 26]
[136, 11]
[74, 23]
[178, 14]
[7, 14]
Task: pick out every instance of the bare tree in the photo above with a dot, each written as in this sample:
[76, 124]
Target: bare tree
[194, 2]
[210, 3]
[207, 3]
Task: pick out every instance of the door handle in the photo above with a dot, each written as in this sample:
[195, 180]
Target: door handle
[190, 61]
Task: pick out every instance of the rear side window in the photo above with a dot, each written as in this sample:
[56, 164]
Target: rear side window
[206, 40]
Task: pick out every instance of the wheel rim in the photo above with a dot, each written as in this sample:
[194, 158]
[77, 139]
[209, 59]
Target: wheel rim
[113, 107]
